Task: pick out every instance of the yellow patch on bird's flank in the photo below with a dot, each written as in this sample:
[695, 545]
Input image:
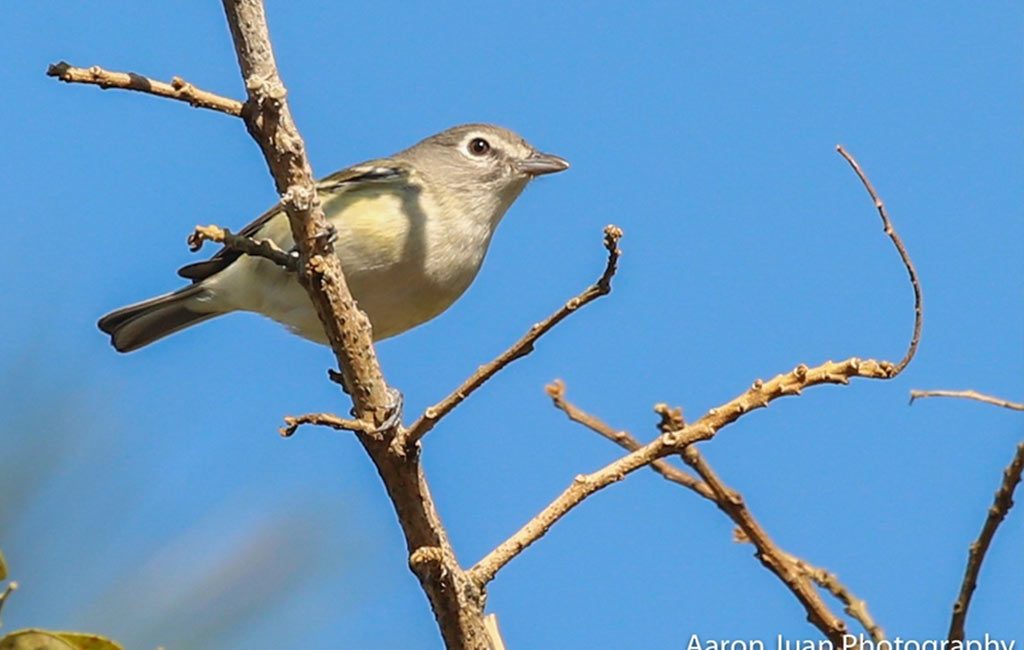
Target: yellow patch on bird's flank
[377, 221]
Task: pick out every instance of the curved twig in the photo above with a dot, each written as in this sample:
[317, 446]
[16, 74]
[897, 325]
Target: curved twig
[915, 339]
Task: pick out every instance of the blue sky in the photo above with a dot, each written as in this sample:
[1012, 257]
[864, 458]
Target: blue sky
[149, 497]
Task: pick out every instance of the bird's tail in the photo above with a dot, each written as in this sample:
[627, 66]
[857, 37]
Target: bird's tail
[138, 325]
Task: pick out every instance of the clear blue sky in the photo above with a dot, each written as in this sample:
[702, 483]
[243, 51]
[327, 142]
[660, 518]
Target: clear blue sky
[149, 497]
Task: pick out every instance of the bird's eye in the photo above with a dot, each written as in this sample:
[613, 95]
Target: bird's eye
[479, 146]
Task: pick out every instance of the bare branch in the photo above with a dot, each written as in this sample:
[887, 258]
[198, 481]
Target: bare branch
[673, 442]
[456, 601]
[178, 88]
[293, 422]
[11, 587]
[624, 439]
[1000, 507]
[521, 348]
[853, 606]
[269, 120]
[967, 394]
[758, 396]
[793, 571]
[915, 339]
[256, 247]
[771, 556]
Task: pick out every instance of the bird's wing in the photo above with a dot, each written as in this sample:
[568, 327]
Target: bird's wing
[377, 171]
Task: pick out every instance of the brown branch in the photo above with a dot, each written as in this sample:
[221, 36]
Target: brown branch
[178, 88]
[256, 247]
[967, 394]
[996, 513]
[269, 120]
[915, 339]
[624, 439]
[293, 422]
[674, 442]
[11, 587]
[771, 556]
[759, 395]
[853, 606]
[456, 601]
[786, 566]
[521, 348]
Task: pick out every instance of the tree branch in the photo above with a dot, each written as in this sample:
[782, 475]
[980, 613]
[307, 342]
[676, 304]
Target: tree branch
[759, 395]
[257, 247]
[456, 601]
[853, 606]
[1000, 507]
[269, 120]
[293, 422]
[967, 394]
[915, 339]
[771, 556]
[178, 89]
[521, 348]
[624, 439]
[794, 572]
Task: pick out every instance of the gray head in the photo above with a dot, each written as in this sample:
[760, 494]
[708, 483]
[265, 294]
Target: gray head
[483, 164]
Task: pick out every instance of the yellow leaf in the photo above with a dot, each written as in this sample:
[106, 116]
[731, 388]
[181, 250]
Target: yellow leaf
[30, 639]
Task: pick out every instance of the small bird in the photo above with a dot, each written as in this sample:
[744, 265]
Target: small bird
[411, 231]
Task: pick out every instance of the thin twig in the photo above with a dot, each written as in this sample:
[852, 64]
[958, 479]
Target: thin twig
[256, 247]
[624, 439]
[996, 513]
[855, 607]
[11, 587]
[967, 394]
[178, 88]
[759, 395]
[904, 255]
[293, 422]
[771, 556]
[521, 348]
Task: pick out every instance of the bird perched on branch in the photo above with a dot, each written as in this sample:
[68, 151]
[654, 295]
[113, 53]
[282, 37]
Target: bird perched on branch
[411, 233]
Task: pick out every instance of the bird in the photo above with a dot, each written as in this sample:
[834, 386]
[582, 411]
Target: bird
[411, 231]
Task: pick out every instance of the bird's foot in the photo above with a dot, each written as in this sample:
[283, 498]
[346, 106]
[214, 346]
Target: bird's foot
[393, 409]
[329, 234]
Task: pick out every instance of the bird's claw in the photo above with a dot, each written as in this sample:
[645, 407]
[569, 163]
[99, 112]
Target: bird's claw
[393, 409]
[329, 234]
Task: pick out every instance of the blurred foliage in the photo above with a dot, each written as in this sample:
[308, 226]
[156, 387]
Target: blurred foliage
[44, 640]
[205, 575]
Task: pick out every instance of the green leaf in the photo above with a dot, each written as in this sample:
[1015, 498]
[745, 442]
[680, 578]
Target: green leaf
[31, 639]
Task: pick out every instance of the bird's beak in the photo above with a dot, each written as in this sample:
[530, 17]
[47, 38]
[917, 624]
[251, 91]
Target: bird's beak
[539, 164]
